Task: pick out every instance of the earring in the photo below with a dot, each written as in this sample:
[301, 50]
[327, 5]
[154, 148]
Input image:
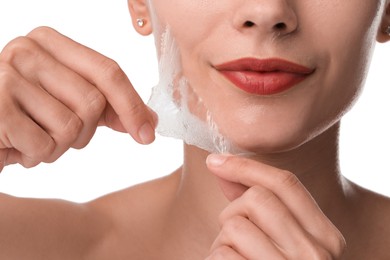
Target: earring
[140, 22]
[388, 30]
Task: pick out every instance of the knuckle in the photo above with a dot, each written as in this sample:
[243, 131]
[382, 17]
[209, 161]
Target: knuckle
[338, 245]
[96, 103]
[70, 127]
[45, 149]
[288, 179]
[18, 49]
[42, 152]
[257, 197]
[137, 108]
[232, 226]
[29, 162]
[41, 32]
[7, 79]
[111, 71]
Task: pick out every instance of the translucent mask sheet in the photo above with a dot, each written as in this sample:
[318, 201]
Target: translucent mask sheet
[175, 102]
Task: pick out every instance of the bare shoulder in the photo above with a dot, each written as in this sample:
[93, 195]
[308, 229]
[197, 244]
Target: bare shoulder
[376, 209]
[372, 216]
[139, 201]
[47, 229]
[137, 215]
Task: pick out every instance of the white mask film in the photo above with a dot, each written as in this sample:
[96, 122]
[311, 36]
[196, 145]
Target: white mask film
[170, 100]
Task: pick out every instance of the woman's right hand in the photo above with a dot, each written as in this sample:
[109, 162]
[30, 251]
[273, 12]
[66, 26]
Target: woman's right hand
[54, 92]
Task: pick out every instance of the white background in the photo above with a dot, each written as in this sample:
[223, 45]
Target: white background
[114, 161]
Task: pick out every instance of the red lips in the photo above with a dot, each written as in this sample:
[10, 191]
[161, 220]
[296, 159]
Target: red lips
[264, 77]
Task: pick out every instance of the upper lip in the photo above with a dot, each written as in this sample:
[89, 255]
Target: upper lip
[264, 66]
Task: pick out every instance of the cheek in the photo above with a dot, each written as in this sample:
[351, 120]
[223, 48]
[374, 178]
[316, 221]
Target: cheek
[345, 50]
[339, 43]
[188, 19]
[345, 43]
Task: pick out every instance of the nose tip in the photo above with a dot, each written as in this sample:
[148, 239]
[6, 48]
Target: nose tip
[270, 16]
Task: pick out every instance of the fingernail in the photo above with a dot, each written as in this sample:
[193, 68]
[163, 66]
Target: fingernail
[216, 159]
[146, 133]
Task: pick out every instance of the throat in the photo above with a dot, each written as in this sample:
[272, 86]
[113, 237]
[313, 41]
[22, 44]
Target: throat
[193, 217]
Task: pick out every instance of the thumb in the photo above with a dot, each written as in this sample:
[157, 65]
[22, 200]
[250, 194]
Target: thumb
[112, 120]
[231, 190]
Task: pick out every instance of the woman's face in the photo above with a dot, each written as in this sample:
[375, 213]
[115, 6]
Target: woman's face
[332, 39]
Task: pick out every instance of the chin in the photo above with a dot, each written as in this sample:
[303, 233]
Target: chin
[271, 140]
[270, 146]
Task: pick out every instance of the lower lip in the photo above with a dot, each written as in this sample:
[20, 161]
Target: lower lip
[264, 83]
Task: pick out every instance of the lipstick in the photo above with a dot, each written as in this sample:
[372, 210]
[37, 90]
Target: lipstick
[264, 76]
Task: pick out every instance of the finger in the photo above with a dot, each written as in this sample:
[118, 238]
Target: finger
[107, 76]
[110, 119]
[286, 187]
[60, 124]
[3, 158]
[231, 190]
[14, 156]
[247, 239]
[26, 142]
[262, 208]
[225, 253]
[251, 173]
[39, 134]
[10, 156]
[77, 94]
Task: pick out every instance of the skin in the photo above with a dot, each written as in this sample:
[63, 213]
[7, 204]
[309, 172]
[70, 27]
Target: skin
[287, 202]
[201, 51]
[81, 109]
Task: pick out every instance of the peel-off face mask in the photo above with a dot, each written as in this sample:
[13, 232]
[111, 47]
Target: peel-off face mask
[181, 111]
[174, 101]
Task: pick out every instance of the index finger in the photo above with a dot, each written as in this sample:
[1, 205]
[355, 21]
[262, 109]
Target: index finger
[106, 75]
[283, 184]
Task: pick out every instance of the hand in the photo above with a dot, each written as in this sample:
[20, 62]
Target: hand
[271, 216]
[54, 92]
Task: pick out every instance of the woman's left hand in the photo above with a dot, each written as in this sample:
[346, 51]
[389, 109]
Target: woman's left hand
[271, 215]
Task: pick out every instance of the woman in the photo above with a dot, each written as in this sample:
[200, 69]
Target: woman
[290, 91]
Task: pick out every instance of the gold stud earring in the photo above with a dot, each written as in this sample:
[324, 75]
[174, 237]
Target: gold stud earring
[140, 22]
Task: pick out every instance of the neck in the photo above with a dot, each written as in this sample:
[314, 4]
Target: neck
[200, 200]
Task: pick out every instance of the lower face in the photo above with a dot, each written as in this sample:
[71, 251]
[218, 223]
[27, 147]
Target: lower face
[335, 46]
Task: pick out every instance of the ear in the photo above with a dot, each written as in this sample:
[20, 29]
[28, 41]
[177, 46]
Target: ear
[140, 10]
[384, 29]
